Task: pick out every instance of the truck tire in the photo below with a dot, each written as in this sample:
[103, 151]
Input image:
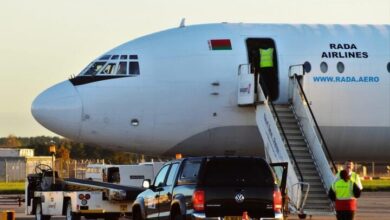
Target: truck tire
[38, 213]
[177, 216]
[137, 214]
[111, 217]
[69, 215]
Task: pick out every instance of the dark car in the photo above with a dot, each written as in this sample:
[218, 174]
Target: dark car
[211, 187]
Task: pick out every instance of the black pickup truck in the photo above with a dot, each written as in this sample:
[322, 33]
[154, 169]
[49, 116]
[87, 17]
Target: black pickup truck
[214, 188]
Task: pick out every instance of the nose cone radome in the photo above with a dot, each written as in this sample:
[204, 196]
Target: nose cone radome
[59, 110]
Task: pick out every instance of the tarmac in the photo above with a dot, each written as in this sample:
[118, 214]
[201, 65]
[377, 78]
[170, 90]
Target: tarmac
[371, 205]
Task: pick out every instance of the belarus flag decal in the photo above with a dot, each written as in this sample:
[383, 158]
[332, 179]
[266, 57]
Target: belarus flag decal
[220, 44]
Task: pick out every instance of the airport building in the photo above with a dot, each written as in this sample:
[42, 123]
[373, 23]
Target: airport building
[15, 164]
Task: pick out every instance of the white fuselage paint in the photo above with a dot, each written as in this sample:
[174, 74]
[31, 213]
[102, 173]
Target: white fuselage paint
[180, 110]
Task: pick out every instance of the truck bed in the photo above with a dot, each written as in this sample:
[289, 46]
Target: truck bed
[80, 184]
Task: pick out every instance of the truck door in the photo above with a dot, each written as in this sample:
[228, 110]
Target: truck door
[280, 170]
[152, 198]
[165, 197]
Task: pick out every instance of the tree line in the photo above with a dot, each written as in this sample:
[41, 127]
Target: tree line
[67, 149]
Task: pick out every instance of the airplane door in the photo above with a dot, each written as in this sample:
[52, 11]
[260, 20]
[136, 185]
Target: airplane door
[262, 55]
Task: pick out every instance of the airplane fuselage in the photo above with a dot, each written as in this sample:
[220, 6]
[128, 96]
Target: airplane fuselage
[183, 99]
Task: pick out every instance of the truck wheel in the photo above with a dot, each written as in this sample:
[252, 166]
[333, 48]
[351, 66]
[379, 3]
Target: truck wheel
[111, 217]
[177, 216]
[38, 213]
[137, 215]
[69, 215]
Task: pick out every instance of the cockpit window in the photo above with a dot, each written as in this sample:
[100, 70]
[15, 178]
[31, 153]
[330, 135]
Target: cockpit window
[109, 69]
[94, 68]
[105, 57]
[133, 57]
[122, 68]
[133, 68]
[118, 65]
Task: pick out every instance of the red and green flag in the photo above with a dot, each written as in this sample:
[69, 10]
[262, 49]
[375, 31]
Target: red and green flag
[220, 44]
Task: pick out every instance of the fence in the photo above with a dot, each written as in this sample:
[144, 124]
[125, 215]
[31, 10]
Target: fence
[74, 168]
[17, 168]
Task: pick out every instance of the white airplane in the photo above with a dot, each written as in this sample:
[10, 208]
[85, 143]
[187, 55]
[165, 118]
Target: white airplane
[175, 91]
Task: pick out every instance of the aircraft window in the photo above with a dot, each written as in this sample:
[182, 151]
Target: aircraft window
[105, 57]
[388, 67]
[324, 67]
[307, 67]
[340, 67]
[133, 57]
[122, 68]
[115, 57]
[134, 68]
[123, 57]
[94, 68]
[109, 69]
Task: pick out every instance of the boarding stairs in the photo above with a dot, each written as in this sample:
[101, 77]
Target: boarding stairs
[290, 134]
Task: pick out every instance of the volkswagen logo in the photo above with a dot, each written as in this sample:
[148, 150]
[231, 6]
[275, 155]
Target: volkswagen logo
[239, 198]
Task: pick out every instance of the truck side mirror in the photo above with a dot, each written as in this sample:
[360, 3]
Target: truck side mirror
[146, 183]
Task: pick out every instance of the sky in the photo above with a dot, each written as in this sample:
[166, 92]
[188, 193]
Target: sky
[43, 42]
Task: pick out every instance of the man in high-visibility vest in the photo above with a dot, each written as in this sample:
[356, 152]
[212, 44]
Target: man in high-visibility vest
[348, 166]
[344, 192]
[266, 64]
[266, 57]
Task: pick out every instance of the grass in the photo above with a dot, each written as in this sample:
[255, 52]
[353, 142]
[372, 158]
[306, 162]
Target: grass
[376, 185]
[12, 188]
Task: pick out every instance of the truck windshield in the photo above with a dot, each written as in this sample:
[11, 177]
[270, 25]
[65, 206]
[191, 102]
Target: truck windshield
[248, 172]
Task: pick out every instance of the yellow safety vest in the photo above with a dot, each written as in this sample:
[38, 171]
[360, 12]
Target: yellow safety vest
[266, 57]
[343, 190]
[354, 178]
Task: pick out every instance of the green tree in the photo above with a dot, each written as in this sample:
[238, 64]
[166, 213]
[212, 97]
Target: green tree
[12, 141]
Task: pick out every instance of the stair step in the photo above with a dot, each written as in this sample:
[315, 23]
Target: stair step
[295, 137]
[300, 154]
[298, 147]
[312, 179]
[297, 142]
[317, 188]
[309, 160]
[305, 165]
[293, 132]
[316, 207]
[308, 172]
[282, 107]
[282, 114]
[322, 196]
[289, 126]
[317, 201]
[288, 120]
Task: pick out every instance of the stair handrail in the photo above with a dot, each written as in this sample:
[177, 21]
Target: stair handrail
[301, 205]
[315, 123]
[281, 127]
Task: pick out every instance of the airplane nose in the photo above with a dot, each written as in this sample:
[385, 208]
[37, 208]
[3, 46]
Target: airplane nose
[59, 110]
